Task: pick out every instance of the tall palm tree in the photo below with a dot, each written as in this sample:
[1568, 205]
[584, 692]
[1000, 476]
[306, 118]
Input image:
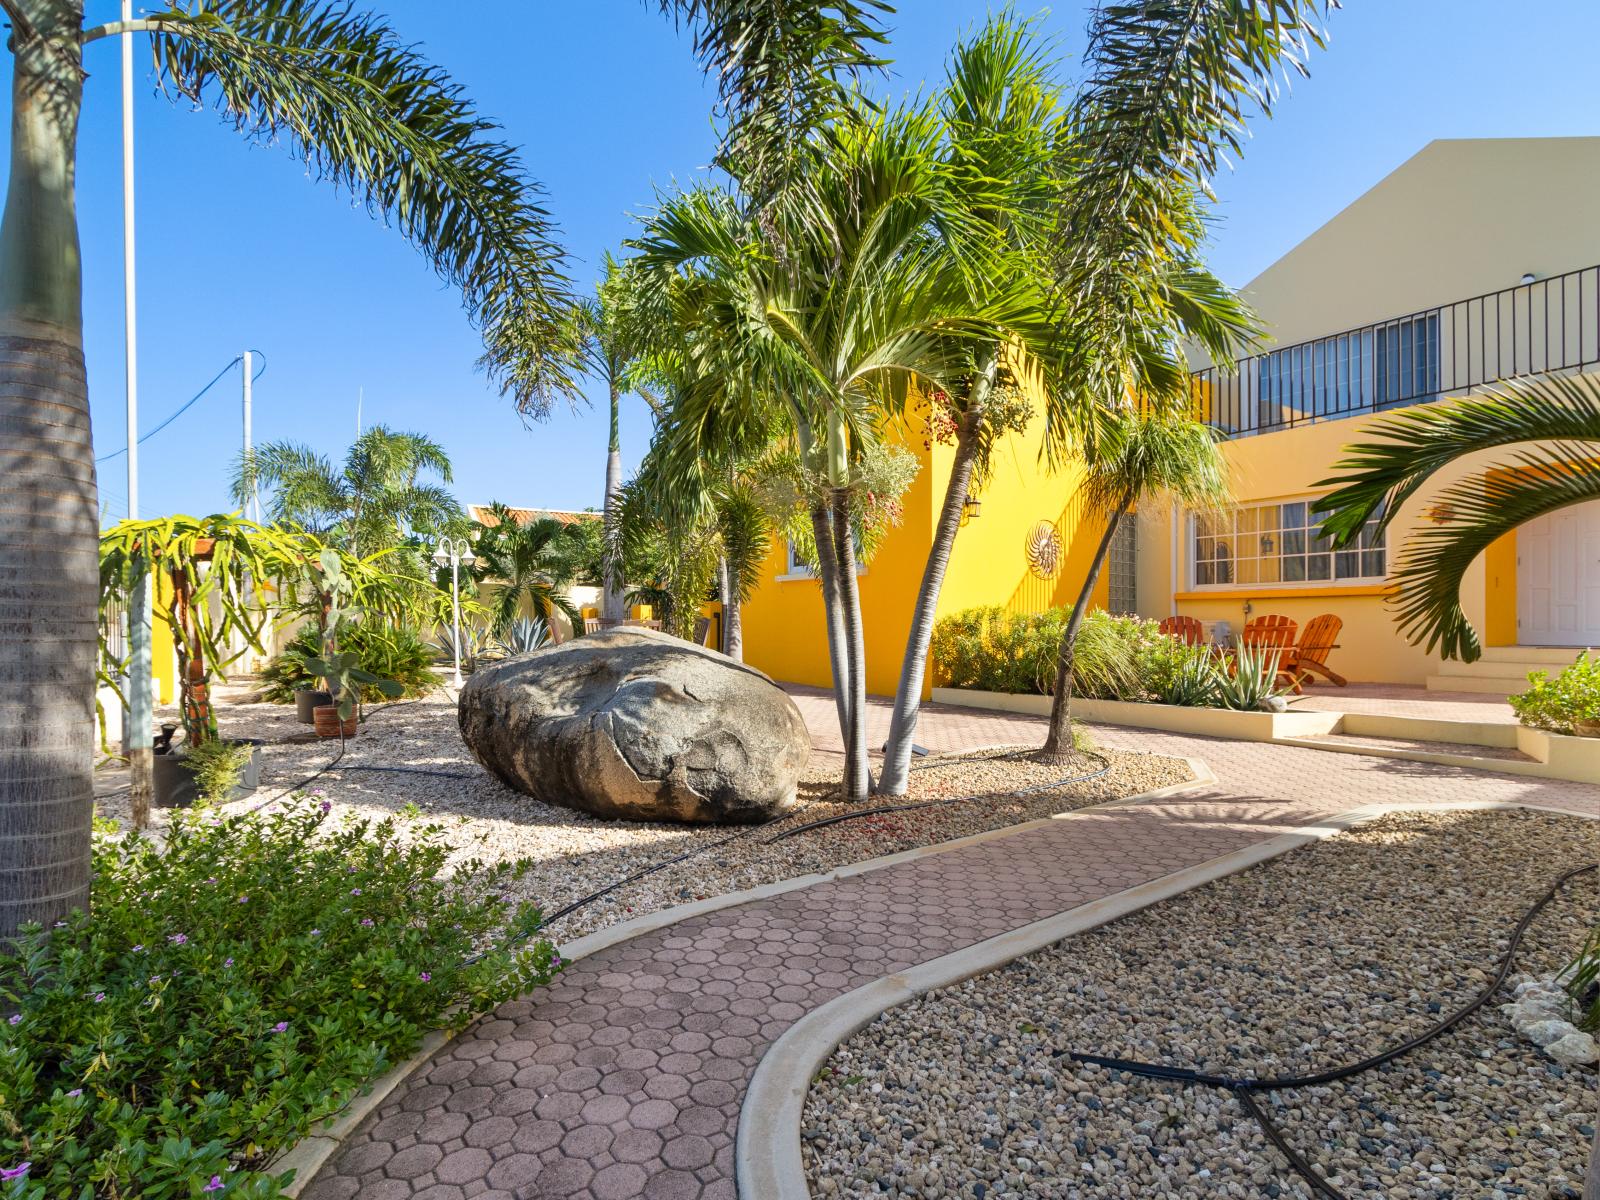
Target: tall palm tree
[827, 334]
[365, 111]
[376, 497]
[1148, 456]
[612, 338]
[533, 563]
[1555, 422]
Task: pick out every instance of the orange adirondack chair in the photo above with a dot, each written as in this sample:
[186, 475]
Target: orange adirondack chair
[1310, 655]
[1185, 629]
[1269, 632]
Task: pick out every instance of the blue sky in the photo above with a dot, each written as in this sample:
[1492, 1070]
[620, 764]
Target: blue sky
[239, 248]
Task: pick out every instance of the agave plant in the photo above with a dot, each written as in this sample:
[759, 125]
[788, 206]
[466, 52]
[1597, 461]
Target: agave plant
[526, 635]
[1254, 680]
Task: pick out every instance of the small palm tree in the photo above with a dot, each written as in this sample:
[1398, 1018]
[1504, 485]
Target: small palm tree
[1555, 421]
[377, 497]
[533, 564]
[1145, 457]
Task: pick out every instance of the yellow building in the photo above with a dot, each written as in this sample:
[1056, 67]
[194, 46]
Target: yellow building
[1473, 262]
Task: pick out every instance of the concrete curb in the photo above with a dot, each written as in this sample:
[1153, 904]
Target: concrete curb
[308, 1156]
[768, 1161]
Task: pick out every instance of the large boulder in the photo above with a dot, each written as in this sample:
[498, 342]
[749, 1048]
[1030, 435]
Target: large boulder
[638, 724]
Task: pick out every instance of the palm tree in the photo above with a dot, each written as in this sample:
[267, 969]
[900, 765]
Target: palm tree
[1147, 457]
[533, 562]
[1556, 423]
[365, 111]
[823, 337]
[612, 337]
[376, 497]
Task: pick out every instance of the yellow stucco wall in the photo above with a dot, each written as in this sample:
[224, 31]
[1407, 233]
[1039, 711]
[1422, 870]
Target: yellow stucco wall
[1285, 466]
[783, 623]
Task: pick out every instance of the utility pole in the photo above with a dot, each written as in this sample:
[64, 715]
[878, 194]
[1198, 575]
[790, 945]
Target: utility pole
[252, 508]
[137, 729]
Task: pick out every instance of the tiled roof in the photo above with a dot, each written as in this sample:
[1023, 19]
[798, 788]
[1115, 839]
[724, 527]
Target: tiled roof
[481, 514]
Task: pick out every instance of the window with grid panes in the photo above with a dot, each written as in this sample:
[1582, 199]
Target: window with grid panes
[1278, 544]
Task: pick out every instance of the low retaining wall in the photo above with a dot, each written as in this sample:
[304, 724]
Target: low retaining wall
[1175, 718]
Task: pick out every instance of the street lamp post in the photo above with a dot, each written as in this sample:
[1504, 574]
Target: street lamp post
[455, 552]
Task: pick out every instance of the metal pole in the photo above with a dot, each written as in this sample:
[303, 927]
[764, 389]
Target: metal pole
[140, 716]
[455, 611]
[252, 508]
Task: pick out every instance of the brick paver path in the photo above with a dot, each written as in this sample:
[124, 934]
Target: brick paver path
[624, 1078]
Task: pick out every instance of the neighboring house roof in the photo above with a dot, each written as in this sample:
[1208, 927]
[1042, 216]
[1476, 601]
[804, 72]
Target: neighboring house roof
[483, 516]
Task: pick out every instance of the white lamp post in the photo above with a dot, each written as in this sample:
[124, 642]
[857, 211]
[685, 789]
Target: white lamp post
[455, 551]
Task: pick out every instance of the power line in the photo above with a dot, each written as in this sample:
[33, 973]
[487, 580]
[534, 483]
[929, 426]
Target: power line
[190, 403]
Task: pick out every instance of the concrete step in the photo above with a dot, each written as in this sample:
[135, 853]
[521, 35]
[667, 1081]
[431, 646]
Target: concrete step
[1542, 656]
[1478, 757]
[1482, 669]
[1488, 685]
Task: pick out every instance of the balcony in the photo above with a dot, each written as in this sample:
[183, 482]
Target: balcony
[1549, 325]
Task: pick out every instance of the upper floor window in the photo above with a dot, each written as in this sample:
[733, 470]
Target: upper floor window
[1278, 544]
[797, 566]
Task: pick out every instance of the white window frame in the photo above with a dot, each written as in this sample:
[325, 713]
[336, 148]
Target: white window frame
[794, 569]
[1279, 532]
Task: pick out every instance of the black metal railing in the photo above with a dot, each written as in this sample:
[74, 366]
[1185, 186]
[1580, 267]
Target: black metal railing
[1548, 325]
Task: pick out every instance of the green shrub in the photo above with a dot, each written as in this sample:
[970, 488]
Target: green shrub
[1178, 673]
[993, 650]
[230, 992]
[1559, 704]
[217, 767]
[1110, 657]
[397, 654]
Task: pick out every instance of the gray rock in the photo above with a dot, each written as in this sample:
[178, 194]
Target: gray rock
[638, 724]
[1574, 1050]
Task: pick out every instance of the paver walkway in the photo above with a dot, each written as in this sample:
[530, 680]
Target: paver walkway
[624, 1078]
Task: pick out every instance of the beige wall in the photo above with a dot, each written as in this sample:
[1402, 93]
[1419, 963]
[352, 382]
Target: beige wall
[1459, 218]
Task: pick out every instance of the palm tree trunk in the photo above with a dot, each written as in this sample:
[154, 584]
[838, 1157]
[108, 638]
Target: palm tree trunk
[1058, 743]
[612, 600]
[832, 611]
[908, 694]
[49, 560]
[732, 617]
[857, 776]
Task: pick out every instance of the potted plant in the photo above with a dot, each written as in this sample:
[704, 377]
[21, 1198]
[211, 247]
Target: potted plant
[331, 593]
[342, 677]
[213, 772]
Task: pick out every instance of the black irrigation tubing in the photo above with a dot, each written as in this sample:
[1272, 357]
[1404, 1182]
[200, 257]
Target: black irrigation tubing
[1243, 1088]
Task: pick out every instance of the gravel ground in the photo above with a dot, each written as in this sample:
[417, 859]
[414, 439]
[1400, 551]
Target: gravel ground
[1312, 960]
[572, 854]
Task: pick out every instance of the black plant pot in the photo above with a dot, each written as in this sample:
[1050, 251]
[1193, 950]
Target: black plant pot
[305, 700]
[174, 784]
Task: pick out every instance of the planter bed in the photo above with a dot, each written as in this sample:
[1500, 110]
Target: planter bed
[1208, 722]
[1315, 959]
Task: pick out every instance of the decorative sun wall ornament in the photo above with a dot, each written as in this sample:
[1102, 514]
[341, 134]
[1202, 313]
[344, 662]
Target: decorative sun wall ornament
[1044, 550]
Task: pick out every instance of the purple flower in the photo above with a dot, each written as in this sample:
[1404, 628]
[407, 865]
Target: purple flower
[178, 939]
[139, 949]
[355, 891]
[99, 997]
[216, 1184]
[228, 962]
[316, 933]
[14, 1019]
[426, 978]
[75, 1092]
[280, 1027]
[367, 921]
[213, 879]
[325, 807]
[154, 979]
[16, 1172]
[244, 899]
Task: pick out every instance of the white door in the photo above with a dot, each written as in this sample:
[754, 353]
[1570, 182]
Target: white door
[1558, 578]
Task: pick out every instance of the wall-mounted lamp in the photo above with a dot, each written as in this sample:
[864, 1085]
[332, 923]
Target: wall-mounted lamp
[1529, 277]
[971, 507]
[1266, 543]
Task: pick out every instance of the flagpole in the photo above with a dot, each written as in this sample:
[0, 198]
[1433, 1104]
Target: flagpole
[138, 731]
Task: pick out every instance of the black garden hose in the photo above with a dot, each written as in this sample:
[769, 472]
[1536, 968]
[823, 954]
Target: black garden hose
[1244, 1087]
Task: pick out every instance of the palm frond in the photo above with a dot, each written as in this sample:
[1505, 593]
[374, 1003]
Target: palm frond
[370, 114]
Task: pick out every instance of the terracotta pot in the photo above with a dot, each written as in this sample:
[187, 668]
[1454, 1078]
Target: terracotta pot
[326, 719]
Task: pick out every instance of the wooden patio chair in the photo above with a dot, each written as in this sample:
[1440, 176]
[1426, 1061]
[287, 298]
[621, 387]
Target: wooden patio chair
[1269, 632]
[1309, 656]
[702, 631]
[1186, 629]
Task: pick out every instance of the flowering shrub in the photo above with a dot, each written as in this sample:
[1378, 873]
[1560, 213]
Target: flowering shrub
[230, 992]
[1562, 703]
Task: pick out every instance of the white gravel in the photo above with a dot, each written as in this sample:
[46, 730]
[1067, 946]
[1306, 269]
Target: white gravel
[1312, 960]
[570, 854]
